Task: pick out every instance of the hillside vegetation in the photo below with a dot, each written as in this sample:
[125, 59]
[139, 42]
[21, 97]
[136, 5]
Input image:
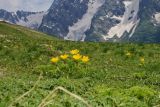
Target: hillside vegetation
[117, 74]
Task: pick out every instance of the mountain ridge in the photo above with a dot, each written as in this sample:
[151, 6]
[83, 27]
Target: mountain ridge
[101, 20]
[23, 18]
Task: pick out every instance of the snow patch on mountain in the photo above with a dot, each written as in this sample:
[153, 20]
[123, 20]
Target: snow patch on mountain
[157, 17]
[81, 0]
[128, 22]
[33, 21]
[47, 26]
[2, 20]
[77, 31]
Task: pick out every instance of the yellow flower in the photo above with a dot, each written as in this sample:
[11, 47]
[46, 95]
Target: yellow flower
[54, 59]
[85, 59]
[77, 56]
[76, 51]
[128, 54]
[65, 56]
[142, 60]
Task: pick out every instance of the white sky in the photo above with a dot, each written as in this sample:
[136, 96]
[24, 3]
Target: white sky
[27, 5]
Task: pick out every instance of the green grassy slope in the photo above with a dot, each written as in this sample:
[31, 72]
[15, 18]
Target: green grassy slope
[110, 79]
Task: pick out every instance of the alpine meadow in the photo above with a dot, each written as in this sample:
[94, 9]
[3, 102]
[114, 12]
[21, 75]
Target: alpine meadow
[37, 70]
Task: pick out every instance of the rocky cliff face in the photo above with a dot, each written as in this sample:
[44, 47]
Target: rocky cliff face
[103, 20]
[148, 29]
[96, 20]
[114, 19]
[63, 14]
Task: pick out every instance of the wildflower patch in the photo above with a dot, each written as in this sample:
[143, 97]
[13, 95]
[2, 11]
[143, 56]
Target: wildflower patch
[67, 64]
[74, 55]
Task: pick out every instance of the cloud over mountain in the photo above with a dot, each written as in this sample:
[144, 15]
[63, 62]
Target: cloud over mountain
[28, 5]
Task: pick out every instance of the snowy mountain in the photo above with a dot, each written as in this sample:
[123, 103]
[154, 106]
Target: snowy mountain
[104, 20]
[95, 20]
[28, 19]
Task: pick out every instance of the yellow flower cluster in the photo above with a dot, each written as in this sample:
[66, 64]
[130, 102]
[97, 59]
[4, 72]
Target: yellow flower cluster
[74, 54]
[65, 56]
[128, 54]
[54, 59]
[77, 57]
[142, 60]
[85, 59]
